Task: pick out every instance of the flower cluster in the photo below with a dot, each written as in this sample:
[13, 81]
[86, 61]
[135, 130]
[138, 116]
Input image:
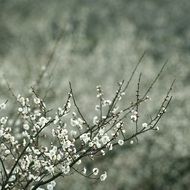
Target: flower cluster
[49, 144]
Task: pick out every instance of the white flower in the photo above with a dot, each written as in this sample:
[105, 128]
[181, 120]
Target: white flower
[105, 139]
[115, 110]
[119, 125]
[90, 144]
[103, 152]
[85, 137]
[37, 112]
[133, 118]
[134, 112]
[110, 147]
[66, 144]
[101, 131]
[25, 110]
[25, 134]
[7, 152]
[97, 107]
[164, 109]
[53, 183]
[3, 106]
[157, 128]
[52, 153]
[59, 157]
[121, 142]
[21, 100]
[78, 162]
[98, 145]
[36, 151]
[103, 176]
[107, 102]
[69, 105]
[49, 187]
[20, 109]
[24, 142]
[81, 122]
[12, 178]
[60, 111]
[7, 136]
[84, 171]
[95, 120]
[99, 95]
[50, 169]
[3, 120]
[74, 122]
[148, 98]
[64, 132]
[66, 169]
[36, 100]
[96, 141]
[73, 132]
[95, 171]
[26, 126]
[131, 142]
[42, 121]
[56, 120]
[37, 164]
[144, 125]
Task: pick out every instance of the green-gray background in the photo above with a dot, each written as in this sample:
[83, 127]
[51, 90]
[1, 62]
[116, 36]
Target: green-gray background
[102, 41]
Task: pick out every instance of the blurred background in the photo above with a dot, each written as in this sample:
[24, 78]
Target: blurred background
[99, 42]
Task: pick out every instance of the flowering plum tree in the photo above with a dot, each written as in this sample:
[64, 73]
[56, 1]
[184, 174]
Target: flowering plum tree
[48, 144]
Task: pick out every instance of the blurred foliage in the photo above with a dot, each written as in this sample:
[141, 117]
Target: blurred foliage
[102, 40]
